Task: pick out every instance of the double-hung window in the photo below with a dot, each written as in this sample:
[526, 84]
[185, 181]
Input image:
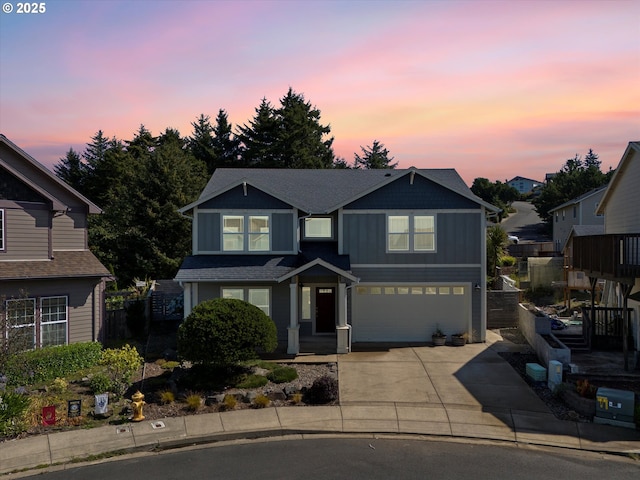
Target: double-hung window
[245, 233]
[255, 296]
[21, 323]
[53, 323]
[35, 322]
[411, 233]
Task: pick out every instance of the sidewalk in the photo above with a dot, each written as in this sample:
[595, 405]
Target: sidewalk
[463, 392]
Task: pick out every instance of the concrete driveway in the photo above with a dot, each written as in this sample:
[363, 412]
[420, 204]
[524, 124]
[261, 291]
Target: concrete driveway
[473, 376]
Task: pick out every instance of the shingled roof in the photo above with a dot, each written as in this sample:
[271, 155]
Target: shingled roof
[64, 264]
[324, 191]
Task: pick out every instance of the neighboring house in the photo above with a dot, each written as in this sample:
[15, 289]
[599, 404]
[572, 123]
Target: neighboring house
[576, 279]
[362, 255]
[578, 211]
[615, 256]
[524, 185]
[51, 285]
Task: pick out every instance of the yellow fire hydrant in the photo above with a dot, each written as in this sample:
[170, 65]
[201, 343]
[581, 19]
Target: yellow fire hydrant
[137, 403]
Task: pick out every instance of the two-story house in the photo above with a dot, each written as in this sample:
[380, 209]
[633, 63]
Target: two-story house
[524, 185]
[615, 256]
[51, 285]
[578, 211]
[362, 255]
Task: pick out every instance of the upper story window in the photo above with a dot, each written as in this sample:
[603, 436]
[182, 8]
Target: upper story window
[318, 227]
[1, 230]
[245, 233]
[411, 233]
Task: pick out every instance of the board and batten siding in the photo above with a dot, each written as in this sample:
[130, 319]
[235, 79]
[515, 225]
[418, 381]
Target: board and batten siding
[69, 232]
[622, 214]
[457, 239]
[26, 234]
[208, 232]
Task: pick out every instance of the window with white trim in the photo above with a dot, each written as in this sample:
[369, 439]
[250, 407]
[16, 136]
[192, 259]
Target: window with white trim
[53, 321]
[318, 227]
[1, 229]
[260, 297]
[245, 233]
[411, 233]
[21, 323]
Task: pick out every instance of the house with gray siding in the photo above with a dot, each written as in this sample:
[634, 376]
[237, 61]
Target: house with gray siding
[51, 285]
[581, 210]
[356, 255]
[614, 256]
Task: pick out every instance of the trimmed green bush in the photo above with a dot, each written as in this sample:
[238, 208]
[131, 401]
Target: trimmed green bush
[225, 331]
[253, 381]
[45, 364]
[283, 375]
[507, 261]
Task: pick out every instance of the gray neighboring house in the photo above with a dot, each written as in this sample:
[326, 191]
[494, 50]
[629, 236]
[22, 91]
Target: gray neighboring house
[524, 185]
[359, 255]
[615, 255]
[51, 285]
[578, 211]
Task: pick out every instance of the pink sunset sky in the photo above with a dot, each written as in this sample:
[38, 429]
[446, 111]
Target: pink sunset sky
[494, 89]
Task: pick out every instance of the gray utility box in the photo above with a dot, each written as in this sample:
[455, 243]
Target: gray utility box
[615, 407]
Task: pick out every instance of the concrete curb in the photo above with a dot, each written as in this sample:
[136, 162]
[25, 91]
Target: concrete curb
[431, 420]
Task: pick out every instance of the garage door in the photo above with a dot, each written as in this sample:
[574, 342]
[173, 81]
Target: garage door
[408, 313]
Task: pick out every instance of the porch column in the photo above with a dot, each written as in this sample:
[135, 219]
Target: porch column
[343, 329]
[293, 345]
[187, 306]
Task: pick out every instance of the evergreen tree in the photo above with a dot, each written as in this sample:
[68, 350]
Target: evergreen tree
[226, 148]
[375, 156]
[300, 142]
[287, 137]
[201, 143]
[72, 170]
[259, 138]
[575, 178]
[341, 163]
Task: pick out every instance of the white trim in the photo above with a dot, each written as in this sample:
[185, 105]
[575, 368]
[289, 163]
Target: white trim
[340, 231]
[411, 231]
[416, 265]
[410, 211]
[246, 293]
[65, 321]
[322, 263]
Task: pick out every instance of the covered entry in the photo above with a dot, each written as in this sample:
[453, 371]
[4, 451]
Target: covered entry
[409, 312]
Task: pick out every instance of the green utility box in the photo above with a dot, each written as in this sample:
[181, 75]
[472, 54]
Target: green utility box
[615, 407]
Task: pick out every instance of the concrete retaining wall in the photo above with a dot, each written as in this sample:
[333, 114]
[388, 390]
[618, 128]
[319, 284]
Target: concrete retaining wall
[533, 327]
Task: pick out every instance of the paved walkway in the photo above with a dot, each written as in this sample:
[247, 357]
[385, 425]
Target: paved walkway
[465, 392]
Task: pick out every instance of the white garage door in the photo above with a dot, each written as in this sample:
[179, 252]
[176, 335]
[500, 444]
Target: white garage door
[408, 313]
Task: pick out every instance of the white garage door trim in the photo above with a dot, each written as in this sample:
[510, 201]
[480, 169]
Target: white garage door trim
[409, 312]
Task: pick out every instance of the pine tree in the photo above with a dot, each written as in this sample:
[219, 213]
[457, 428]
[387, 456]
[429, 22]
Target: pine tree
[72, 170]
[301, 141]
[201, 143]
[375, 156]
[259, 138]
[226, 147]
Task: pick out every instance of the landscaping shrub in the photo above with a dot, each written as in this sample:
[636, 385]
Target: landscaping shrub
[100, 383]
[45, 364]
[193, 401]
[167, 397]
[261, 401]
[323, 390]
[253, 381]
[229, 402]
[121, 364]
[507, 261]
[283, 375]
[225, 331]
[13, 407]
